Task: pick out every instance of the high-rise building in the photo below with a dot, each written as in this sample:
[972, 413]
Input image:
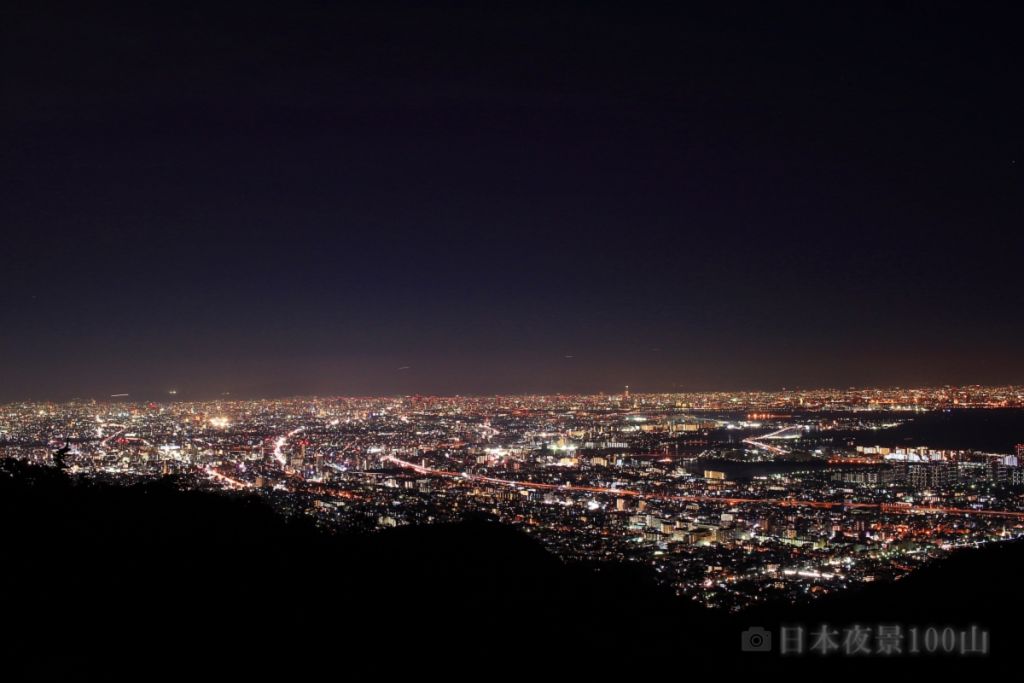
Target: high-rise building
[928, 475]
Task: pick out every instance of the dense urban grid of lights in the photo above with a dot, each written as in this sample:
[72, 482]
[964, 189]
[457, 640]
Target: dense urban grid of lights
[730, 498]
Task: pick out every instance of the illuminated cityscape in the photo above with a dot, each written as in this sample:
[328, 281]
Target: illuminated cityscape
[446, 337]
[729, 498]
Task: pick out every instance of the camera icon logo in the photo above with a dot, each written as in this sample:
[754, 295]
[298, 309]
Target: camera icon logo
[756, 639]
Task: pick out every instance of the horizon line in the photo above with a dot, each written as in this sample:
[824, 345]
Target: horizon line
[227, 396]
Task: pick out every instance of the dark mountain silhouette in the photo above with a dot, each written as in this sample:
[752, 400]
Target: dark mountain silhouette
[148, 580]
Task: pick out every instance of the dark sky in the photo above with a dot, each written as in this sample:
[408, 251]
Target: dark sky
[307, 197]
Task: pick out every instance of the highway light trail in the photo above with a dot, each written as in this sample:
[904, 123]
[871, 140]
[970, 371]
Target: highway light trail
[224, 479]
[280, 443]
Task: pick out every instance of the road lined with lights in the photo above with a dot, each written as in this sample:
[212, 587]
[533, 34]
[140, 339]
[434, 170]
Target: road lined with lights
[225, 479]
[280, 443]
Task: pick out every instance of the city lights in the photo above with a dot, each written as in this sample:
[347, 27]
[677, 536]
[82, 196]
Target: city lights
[726, 510]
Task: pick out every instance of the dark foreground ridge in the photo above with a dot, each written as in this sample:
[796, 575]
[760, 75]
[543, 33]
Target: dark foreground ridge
[151, 581]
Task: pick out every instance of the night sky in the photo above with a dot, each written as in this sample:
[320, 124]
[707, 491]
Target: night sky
[392, 198]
